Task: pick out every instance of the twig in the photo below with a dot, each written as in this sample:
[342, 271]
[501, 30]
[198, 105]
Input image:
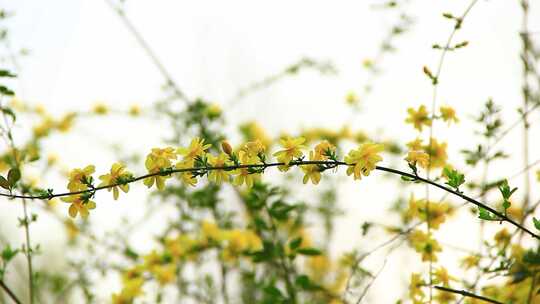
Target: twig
[9, 292]
[169, 171]
[467, 294]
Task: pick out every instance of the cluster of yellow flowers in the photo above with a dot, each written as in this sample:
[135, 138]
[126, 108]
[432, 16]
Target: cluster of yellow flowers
[162, 266]
[428, 156]
[243, 166]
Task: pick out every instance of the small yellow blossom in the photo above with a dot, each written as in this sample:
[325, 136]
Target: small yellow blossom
[470, 261]
[66, 122]
[252, 149]
[196, 148]
[323, 148]
[164, 274]
[218, 176]
[441, 276]
[132, 288]
[448, 114]
[415, 287]
[502, 238]
[420, 158]
[100, 108]
[118, 174]
[418, 118]
[364, 159]
[79, 205]
[156, 161]
[437, 153]
[351, 98]
[187, 177]
[292, 149]
[134, 110]
[425, 244]
[78, 178]
[415, 145]
[213, 110]
[312, 172]
[253, 131]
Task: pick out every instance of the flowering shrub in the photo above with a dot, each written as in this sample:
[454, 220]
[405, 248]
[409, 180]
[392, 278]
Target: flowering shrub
[239, 235]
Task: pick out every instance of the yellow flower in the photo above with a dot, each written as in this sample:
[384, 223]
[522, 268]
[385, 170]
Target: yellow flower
[196, 148]
[164, 274]
[253, 131]
[415, 287]
[292, 149]
[156, 161]
[323, 148]
[437, 153]
[134, 110]
[420, 158]
[239, 241]
[312, 171]
[187, 177]
[470, 261]
[441, 276]
[351, 98]
[132, 288]
[415, 145]
[363, 160]
[418, 118]
[218, 175]
[502, 238]
[117, 175]
[79, 205]
[448, 114]
[251, 150]
[210, 231]
[66, 122]
[78, 178]
[425, 245]
[437, 211]
[213, 110]
[100, 108]
[244, 176]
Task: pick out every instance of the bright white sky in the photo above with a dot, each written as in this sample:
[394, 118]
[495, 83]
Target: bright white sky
[81, 53]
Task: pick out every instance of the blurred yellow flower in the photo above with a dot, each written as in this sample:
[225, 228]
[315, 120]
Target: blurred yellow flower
[418, 118]
[364, 159]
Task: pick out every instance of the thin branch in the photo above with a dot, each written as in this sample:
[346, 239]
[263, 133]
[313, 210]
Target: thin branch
[146, 47]
[9, 292]
[467, 294]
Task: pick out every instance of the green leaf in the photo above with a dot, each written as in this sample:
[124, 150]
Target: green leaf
[305, 283]
[295, 243]
[14, 175]
[309, 251]
[455, 179]
[6, 73]
[9, 112]
[485, 215]
[8, 253]
[4, 183]
[505, 190]
[5, 91]
[536, 223]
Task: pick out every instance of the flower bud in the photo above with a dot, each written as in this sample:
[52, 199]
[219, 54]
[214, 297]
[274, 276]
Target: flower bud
[226, 147]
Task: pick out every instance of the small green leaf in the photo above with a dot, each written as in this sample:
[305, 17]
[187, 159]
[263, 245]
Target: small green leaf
[4, 183]
[8, 253]
[13, 176]
[485, 215]
[295, 243]
[309, 251]
[6, 73]
[536, 223]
